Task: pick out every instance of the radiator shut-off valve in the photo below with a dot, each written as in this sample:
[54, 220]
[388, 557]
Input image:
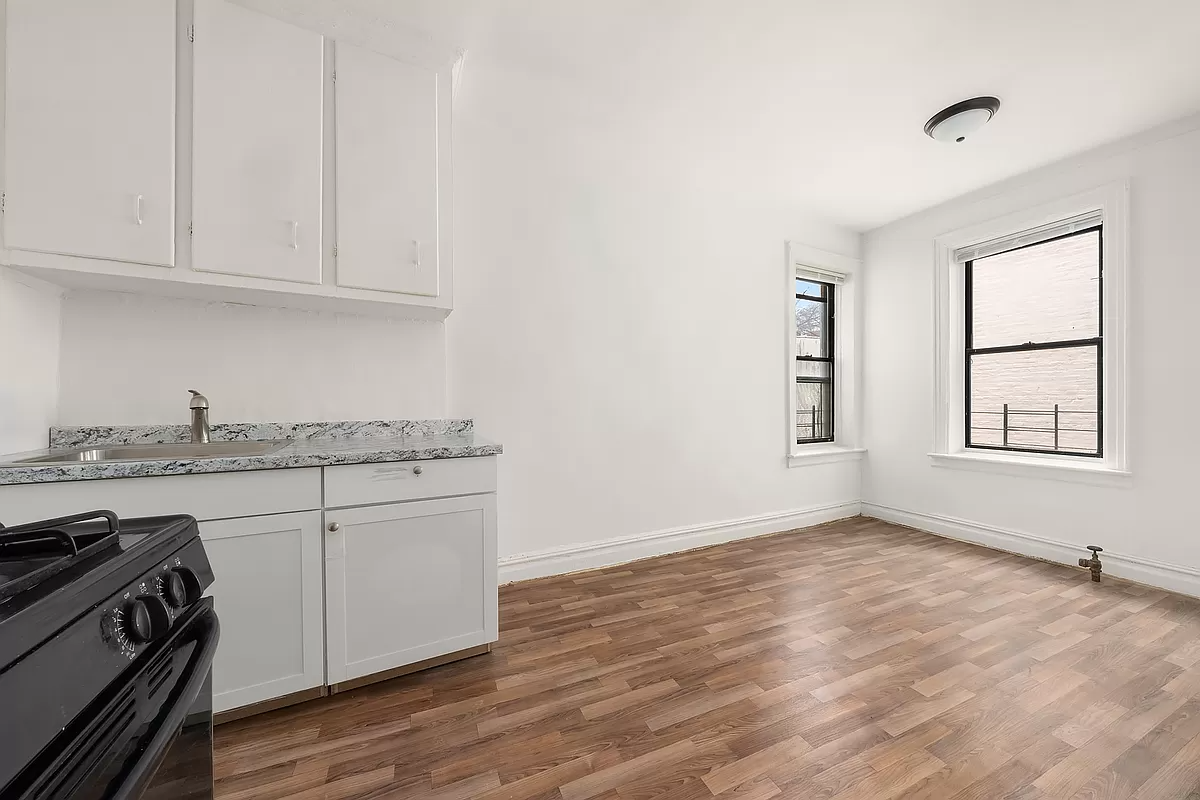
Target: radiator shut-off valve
[1093, 563]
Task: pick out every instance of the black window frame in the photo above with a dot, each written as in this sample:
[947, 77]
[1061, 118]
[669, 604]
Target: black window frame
[1096, 341]
[828, 332]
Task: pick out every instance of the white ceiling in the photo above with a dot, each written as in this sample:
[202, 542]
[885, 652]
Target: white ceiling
[820, 100]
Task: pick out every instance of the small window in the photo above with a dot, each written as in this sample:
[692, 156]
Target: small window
[1034, 374]
[814, 361]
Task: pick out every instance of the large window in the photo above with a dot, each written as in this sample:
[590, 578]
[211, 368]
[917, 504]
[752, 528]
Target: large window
[1034, 371]
[814, 361]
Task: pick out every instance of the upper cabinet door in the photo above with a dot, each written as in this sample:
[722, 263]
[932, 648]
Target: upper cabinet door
[256, 146]
[89, 136]
[388, 170]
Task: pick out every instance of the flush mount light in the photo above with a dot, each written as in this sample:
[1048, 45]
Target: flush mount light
[953, 124]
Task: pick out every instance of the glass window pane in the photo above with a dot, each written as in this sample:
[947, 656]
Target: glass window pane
[810, 328]
[812, 369]
[810, 288]
[1031, 383]
[1044, 293]
[814, 412]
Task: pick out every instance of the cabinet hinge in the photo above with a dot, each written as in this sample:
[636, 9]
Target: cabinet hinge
[191, 230]
[333, 76]
[191, 33]
[3, 197]
[335, 251]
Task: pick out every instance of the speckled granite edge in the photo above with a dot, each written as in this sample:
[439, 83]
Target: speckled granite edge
[284, 459]
[84, 435]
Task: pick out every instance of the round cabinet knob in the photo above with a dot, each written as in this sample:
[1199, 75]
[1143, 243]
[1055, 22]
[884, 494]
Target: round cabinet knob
[181, 587]
[417, 470]
[334, 527]
[146, 618]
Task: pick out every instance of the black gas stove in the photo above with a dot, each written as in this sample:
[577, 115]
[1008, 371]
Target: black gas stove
[106, 647]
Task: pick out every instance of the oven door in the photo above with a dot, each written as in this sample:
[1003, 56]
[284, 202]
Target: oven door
[149, 736]
[186, 771]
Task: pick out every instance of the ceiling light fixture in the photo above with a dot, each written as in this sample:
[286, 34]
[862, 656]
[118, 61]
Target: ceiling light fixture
[953, 124]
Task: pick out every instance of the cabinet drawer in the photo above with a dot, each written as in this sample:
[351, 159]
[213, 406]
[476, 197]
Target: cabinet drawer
[393, 481]
[218, 495]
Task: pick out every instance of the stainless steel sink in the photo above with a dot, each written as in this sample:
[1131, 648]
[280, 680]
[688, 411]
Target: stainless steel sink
[157, 452]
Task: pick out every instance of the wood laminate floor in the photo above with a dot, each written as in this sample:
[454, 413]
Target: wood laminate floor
[854, 660]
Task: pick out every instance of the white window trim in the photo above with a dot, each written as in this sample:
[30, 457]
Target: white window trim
[843, 270]
[1112, 201]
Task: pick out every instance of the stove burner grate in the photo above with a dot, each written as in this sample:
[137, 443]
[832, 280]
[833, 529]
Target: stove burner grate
[49, 548]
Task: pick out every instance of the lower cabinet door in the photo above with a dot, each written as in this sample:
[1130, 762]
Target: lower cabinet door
[268, 596]
[407, 582]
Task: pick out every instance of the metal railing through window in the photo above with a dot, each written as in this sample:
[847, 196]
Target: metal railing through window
[1057, 430]
[812, 425]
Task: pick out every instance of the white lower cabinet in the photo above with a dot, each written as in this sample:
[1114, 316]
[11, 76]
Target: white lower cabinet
[268, 597]
[408, 581]
[401, 569]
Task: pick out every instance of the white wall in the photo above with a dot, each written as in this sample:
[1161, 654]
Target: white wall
[30, 321]
[130, 359]
[1151, 519]
[619, 322]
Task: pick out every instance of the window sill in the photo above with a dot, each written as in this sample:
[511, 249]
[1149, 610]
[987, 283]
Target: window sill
[1054, 469]
[824, 454]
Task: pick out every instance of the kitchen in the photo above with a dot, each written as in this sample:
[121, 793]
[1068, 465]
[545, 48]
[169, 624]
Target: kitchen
[405, 303]
[317, 536]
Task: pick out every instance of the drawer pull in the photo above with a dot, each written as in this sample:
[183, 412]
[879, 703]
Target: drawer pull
[418, 469]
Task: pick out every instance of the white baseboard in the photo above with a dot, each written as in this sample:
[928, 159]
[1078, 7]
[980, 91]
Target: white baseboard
[1172, 577]
[590, 555]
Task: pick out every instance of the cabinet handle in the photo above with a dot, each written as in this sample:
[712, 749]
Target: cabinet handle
[418, 469]
[295, 235]
[137, 209]
[334, 527]
[416, 253]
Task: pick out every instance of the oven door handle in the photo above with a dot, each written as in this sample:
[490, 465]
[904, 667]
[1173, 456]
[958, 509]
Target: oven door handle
[207, 632]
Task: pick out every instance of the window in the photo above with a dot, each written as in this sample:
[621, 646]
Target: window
[1034, 346]
[820, 298]
[1030, 332]
[814, 361]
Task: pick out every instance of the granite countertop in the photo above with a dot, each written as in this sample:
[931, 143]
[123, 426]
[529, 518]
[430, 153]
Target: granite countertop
[314, 444]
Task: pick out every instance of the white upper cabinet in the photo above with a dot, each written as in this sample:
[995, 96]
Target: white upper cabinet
[89, 139]
[256, 145]
[263, 163]
[393, 174]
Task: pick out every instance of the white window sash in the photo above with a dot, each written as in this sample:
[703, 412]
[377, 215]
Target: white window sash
[806, 273]
[1041, 233]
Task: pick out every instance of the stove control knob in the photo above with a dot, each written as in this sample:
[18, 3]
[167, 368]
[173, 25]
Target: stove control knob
[146, 618]
[181, 587]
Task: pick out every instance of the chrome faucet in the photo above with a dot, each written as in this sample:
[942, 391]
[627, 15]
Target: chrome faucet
[199, 407]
